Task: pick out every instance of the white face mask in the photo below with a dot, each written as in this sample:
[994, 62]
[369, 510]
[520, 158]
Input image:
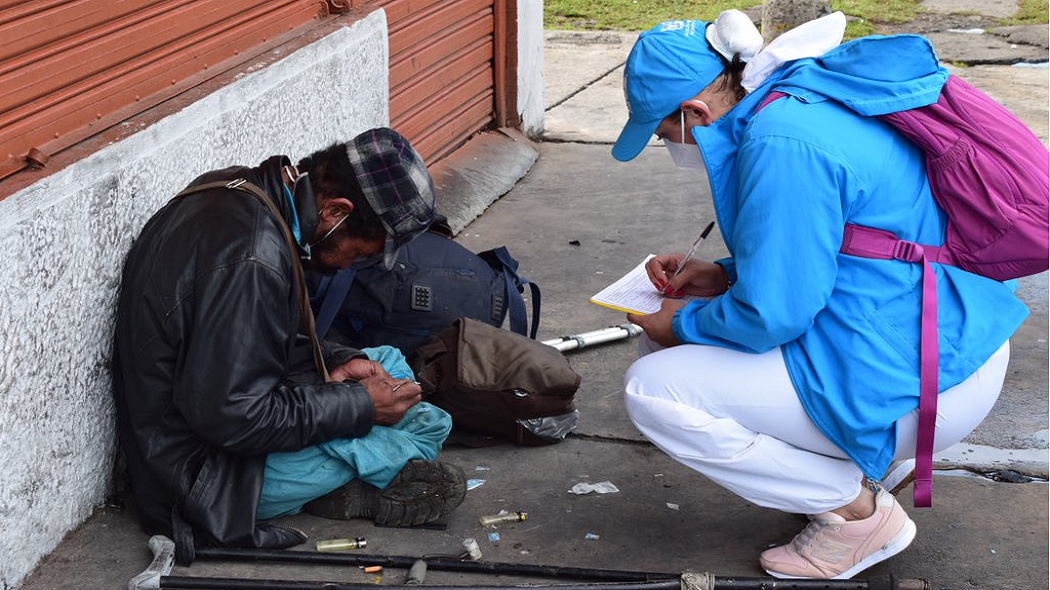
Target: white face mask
[685, 156]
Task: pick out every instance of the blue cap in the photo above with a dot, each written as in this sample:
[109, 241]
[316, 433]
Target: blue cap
[670, 63]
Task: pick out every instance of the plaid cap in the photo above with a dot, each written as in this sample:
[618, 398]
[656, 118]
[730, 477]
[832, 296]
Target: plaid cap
[395, 183]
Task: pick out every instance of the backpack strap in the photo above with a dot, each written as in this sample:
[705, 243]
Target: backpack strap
[306, 313]
[768, 99]
[929, 355]
[333, 291]
[534, 289]
[867, 242]
[515, 287]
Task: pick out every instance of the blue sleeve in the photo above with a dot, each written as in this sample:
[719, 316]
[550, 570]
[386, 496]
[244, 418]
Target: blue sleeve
[729, 266]
[791, 209]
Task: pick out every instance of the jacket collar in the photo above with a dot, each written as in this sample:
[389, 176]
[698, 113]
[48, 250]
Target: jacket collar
[300, 216]
[719, 143]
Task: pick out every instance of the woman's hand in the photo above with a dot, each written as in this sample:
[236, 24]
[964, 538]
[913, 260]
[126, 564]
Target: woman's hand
[658, 325]
[700, 278]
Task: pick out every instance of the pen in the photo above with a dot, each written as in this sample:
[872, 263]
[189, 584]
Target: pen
[692, 249]
[398, 386]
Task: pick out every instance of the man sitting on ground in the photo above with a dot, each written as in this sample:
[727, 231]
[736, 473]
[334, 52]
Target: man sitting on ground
[227, 415]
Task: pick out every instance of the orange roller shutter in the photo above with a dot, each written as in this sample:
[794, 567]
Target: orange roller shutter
[443, 70]
[71, 68]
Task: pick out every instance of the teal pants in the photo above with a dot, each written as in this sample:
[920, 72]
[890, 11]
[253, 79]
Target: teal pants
[293, 479]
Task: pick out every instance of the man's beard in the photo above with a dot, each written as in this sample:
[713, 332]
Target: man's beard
[318, 251]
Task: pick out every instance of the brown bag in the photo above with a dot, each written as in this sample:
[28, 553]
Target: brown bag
[496, 382]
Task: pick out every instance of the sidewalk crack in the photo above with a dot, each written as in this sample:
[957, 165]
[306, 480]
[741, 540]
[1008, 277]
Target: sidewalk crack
[585, 86]
[611, 439]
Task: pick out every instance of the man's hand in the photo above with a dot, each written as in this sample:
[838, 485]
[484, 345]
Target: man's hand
[391, 405]
[356, 369]
[658, 325]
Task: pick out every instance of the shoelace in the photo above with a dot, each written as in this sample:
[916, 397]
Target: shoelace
[804, 538]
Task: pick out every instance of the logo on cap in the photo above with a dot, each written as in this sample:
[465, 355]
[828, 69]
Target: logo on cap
[688, 27]
[626, 96]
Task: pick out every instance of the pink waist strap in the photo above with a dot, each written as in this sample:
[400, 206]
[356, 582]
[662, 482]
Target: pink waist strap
[867, 242]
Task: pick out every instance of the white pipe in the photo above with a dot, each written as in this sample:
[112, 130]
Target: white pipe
[601, 336]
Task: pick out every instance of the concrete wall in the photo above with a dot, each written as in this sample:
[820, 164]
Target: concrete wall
[530, 67]
[62, 243]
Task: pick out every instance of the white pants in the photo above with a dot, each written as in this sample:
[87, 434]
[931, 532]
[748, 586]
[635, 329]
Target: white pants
[736, 418]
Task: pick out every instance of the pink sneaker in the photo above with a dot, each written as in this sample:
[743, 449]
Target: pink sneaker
[833, 548]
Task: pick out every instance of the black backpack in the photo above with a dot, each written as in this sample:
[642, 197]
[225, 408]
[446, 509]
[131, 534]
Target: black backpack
[434, 282]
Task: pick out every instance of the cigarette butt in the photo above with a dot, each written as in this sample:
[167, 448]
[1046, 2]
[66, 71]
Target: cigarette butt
[373, 569]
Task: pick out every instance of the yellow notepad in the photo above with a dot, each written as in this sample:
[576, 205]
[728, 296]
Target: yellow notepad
[633, 293]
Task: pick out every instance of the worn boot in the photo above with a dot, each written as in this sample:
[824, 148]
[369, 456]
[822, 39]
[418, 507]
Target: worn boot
[422, 492]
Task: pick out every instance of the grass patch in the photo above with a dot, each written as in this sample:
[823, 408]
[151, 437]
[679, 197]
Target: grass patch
[873, 12]
[630, 15]
[858, 28]
[879, 11]
[642, 15]
[1030, 12]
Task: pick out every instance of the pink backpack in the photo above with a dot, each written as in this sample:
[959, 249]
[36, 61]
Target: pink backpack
[990, 175]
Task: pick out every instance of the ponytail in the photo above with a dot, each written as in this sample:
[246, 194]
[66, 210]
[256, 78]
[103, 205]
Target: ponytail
[731, 77]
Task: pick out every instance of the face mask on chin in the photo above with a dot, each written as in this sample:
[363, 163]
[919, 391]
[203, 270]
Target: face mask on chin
[319, 248]
[686, 156]
[300, 198]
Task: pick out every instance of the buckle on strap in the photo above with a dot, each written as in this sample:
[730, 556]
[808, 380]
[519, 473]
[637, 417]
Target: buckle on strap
[236, 182]
[907, 251]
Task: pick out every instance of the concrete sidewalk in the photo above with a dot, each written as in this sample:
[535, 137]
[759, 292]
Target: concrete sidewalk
[576, 221]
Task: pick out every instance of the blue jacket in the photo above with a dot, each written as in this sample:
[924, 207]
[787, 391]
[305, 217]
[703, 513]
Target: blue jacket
[784, 183]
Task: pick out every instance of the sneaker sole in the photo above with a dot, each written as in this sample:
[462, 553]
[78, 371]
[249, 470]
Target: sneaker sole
[422, 492]
[898, 543]
[898, 479]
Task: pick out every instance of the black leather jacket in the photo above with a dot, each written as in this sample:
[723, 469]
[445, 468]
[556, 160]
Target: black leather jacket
[210, 370]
